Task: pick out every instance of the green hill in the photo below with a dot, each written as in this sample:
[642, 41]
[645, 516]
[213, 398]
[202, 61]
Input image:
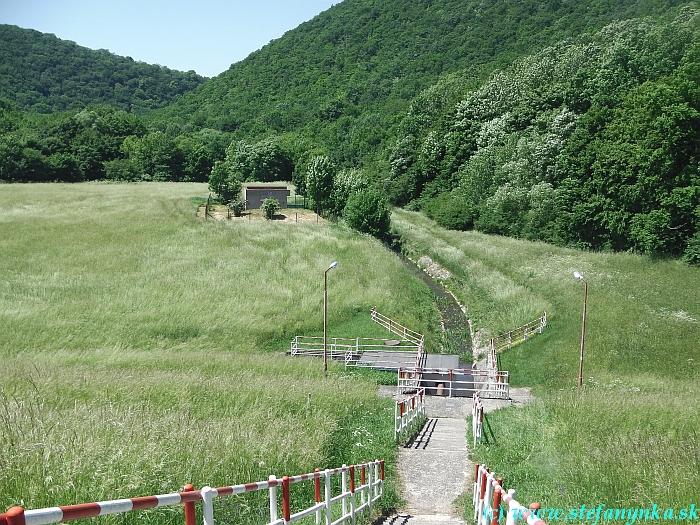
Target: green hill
[44, 74]
[344, 76]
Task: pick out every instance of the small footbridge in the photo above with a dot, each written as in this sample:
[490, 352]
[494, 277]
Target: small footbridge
[438, 374]
[381, 354]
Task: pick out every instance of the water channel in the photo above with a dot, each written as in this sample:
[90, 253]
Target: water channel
[456, 335]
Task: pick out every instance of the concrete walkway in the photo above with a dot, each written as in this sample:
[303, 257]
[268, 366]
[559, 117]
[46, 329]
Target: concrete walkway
[434, 467]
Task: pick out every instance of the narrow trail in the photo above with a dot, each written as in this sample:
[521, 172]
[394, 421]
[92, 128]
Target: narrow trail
[435, 467]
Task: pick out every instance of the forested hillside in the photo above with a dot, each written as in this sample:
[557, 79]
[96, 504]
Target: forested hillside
[44, 74]
[574, 123]
[591, 143]
[343, 77]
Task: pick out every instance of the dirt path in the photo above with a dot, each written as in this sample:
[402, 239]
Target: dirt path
[435, 467]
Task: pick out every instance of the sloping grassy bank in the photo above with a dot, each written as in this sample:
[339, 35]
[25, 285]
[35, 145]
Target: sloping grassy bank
[631, 438]
[143, 348]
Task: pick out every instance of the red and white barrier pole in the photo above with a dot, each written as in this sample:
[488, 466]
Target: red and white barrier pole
[286, 508]
[352, 494]
[190, 516]
[273, 497]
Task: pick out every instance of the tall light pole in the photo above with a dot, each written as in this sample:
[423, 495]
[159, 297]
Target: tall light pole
[325, 314]
[583, 328]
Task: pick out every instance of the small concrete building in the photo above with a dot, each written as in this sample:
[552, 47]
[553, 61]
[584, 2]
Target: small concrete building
[255, 195]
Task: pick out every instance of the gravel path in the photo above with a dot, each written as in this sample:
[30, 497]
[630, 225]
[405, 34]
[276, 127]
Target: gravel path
[435, 468]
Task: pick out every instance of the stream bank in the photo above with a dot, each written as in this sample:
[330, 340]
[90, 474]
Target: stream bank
[455, 327]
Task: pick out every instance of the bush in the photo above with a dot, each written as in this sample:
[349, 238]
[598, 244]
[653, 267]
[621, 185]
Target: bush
[270, 207]
[692, 251]
[449, 212]
[237, 206]
[368, 212]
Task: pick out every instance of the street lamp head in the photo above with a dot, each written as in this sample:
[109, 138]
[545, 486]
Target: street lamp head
[578, 275]
[334, 264]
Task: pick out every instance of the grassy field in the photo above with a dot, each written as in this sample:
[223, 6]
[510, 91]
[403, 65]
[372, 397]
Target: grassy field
[631, 438]
[143, 348]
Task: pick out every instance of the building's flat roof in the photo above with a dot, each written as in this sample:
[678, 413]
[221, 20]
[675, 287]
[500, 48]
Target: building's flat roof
[267, 188]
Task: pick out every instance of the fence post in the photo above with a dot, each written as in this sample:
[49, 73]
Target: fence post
[376, 479]
[286, 509]
[190, 517]
[344, 480]
[317, 493]
[273, 499]
[352, 494]
[369, 489]
[476, 490]
[329, 516]
[362, 483]
[15, 516]
[208, 505]
[482, 493]
[512, 516]
[496, 505]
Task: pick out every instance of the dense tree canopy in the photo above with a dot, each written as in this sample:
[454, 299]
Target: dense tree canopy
[590, 143]
[44, 74]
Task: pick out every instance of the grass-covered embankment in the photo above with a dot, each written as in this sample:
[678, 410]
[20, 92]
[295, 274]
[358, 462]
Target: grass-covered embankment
[631, 438]
[142, 348]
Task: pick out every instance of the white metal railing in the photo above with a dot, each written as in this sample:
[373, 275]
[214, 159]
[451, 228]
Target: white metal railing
[370, 489]
[456, 382]
[513, 337]
[488, 497]
[396, 328]
[351, 350]
[409, 413]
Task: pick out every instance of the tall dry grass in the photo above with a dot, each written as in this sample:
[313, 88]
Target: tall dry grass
[143, 348]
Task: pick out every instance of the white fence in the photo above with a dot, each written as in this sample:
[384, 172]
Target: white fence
[513, 337]
[377, 353]
[409, 414]
[395, 328]
[369, 489]
[477, 418]
[488, 497]
[455, 382]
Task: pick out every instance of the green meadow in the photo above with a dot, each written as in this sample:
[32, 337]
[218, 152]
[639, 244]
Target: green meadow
[143, 348]
[631, 437]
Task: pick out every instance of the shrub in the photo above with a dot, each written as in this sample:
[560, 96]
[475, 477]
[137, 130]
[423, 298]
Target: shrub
[368, 212]
[448, 211]
[692, 252]
[237, 206]
[270, 207]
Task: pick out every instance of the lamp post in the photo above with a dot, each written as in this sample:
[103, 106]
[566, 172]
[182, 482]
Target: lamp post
[325, 314]
[583, 328]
